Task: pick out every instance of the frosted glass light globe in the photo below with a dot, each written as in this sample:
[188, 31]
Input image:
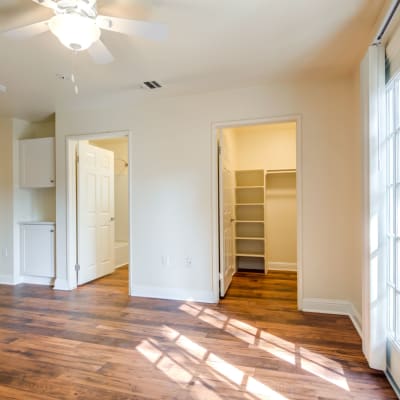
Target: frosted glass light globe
[75, 31]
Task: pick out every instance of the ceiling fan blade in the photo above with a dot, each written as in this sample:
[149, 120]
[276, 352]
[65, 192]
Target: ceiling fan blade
[46, 3]
[100, 54]
[28, 30]
[131, 27]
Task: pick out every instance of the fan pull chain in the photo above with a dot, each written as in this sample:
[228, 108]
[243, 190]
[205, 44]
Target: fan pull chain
[73, 74]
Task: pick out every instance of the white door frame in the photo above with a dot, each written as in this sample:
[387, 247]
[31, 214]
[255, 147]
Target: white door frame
[299, 195]
[70, 142]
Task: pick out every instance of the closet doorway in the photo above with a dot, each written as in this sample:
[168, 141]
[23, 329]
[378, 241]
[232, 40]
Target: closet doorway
[99, 194]
[259, 199]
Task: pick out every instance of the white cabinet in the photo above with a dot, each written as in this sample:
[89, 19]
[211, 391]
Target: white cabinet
[37, 163]
[37, 249]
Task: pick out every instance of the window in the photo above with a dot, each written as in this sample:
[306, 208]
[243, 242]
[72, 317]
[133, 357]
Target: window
[393, 208]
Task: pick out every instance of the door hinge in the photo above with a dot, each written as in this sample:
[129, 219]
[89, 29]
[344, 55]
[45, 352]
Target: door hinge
[77, 267]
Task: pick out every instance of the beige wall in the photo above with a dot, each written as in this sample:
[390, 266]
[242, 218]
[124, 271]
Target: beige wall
[32, 204]
[271, 146]
[229, 147]
[281, 221]
[6, 200]
[29, 204]
[172, 181]
[119, 147]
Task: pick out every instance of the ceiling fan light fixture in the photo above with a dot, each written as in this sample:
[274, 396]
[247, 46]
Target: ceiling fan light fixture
[74, 31]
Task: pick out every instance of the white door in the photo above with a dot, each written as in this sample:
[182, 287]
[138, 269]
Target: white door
[226, 221]
[95, 212]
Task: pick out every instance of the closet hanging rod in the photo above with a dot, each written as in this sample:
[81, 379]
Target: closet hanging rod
[280, 171]
[386, 22]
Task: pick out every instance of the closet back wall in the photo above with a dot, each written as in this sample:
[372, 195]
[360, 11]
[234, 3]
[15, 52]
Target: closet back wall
[271, 146]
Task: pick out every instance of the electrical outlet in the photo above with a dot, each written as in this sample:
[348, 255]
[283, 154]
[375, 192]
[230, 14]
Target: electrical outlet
[166, 260]
[188, 262]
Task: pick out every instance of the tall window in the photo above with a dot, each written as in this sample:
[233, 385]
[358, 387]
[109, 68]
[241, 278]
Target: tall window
[393, 207]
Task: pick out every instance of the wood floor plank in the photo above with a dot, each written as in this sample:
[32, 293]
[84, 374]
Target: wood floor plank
[99, 343]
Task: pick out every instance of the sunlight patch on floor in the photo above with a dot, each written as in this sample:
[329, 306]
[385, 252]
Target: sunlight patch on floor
[262, 391]
[315, 364]
[164, 363]
[322, 367]
[175, 367]
[226, 369]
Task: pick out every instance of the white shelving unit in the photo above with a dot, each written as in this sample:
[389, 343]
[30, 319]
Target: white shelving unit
[249, 212]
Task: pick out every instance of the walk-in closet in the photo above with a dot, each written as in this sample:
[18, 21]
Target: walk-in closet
[262, 160]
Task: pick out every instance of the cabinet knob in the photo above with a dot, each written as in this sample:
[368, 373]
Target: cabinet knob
[51, 180]
[52, 230]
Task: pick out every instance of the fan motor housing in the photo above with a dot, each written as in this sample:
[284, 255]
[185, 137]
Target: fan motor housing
[85, 8]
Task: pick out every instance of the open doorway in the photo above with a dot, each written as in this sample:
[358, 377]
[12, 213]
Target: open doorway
[99, 217]
[258, 201]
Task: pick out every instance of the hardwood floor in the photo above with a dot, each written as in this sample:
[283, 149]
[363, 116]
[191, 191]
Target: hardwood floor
[98, 343]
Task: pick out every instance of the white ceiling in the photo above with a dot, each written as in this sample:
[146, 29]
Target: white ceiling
[212, 44]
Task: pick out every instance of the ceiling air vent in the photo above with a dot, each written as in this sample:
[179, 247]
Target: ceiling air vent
[151, 85]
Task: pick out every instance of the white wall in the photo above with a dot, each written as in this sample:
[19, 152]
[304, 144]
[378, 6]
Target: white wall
[172, 180]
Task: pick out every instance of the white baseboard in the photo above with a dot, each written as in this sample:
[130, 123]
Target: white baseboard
[339, 307]
[35, 280]
[393, 384]
[282, 266]
[173, 294]
[61, 284]
[356, 319]
[120, 265]
[8, 280]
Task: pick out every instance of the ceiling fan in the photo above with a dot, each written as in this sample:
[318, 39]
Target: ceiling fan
[78, 26]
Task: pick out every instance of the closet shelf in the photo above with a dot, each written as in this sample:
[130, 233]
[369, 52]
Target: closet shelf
[250, 255]
[250, 215]
[249, 221]
[249, 204]
[249, 238]
[249, 187]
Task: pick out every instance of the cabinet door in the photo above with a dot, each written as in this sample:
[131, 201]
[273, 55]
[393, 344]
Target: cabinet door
[37, 250]
[37, 163]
